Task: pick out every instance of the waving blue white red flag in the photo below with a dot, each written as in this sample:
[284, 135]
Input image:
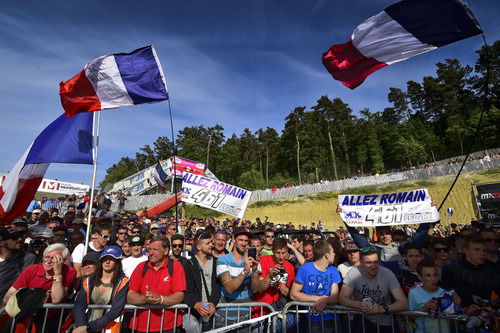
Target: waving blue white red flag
[401, 31]
[115, 80]
[65, 140]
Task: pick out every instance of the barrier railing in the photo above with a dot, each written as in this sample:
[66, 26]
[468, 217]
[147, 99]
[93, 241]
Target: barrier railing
[295, 317]
[342, 319]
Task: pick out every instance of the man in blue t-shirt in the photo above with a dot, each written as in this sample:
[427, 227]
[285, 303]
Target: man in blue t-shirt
[318, 282]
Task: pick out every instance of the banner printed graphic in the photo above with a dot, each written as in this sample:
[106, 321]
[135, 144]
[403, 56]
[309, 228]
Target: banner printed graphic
[213, 194]
[409, 207]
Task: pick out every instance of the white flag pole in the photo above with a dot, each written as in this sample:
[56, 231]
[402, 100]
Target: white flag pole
[95, 153]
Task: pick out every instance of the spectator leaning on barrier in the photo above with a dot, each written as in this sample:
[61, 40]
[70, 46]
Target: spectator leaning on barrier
[371, 288]
[472, 276]
[159, 281]
[13, 259]
[424, 298]
[234, 270]
[52, 275]
[107, 286]
[99, 239]
[318, 282]
[203, 289]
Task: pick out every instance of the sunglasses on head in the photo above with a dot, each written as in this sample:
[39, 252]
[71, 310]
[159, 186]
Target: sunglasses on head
[369, 249]
[441, 249]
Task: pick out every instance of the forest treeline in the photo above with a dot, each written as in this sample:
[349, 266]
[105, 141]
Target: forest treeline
[428, 121]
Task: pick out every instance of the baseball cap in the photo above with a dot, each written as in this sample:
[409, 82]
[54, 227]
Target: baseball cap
[351, 246]
[107, 202]
[36, 211]
[9, 233]
[242, 231]
[92, 257]
[154, 225]
[20, 220]
[147, 221]
[137, 239]
[113, 251]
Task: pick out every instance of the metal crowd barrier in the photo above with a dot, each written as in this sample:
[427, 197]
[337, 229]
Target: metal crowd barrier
[293, 318]
[244, 316]
[344, 319]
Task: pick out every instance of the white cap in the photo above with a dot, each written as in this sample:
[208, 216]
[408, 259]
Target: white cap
[147, 221]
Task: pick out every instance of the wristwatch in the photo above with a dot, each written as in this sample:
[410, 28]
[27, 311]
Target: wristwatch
[386, 308]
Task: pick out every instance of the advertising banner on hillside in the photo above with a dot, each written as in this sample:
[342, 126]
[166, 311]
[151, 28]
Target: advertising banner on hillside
[375, 210]
[213, 194]
[183, 165]
[56, 186]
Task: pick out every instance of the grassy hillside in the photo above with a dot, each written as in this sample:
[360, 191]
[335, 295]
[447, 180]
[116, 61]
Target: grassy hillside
[322, 206]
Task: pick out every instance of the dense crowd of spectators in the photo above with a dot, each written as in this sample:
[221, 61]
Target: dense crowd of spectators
[204, 262]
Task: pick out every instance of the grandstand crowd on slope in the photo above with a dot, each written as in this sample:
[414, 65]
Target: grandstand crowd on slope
[204, 262]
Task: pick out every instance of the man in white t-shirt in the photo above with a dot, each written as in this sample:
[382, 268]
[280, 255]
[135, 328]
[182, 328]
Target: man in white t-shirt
[351, 251]
[99, 239]
[129, 264]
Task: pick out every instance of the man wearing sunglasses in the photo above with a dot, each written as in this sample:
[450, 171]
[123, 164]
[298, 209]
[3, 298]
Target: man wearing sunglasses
[371, 289]
[440, 251]
[100, 238]
[177, 242]
[268, 243]
[13, 259]
[492, 244]
[121, 235]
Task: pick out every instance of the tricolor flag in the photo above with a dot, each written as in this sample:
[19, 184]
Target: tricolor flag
[115, 80]
[401, 31]
[65, 140]
[160, 176]
[450, 211]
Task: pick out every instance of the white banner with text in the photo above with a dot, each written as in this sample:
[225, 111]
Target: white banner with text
[213, 194]
[375, 210]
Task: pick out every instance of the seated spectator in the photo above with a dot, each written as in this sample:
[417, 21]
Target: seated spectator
[423, 298]
[107, 286]
[372, 288]
[351, 251]
[203, 290]
[318, 282]
[159, 281]
[472, 276]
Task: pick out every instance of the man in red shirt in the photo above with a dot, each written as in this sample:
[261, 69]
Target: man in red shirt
[52, 275]
[153, 284]
[275, 276]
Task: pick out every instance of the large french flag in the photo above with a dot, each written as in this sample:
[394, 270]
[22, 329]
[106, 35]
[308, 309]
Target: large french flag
[65, 140]
[115, 80]
[401, 31]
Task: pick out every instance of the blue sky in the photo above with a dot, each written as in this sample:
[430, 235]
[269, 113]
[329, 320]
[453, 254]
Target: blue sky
[236, 63]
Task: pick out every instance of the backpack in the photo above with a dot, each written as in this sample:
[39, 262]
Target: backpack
[170, 267]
